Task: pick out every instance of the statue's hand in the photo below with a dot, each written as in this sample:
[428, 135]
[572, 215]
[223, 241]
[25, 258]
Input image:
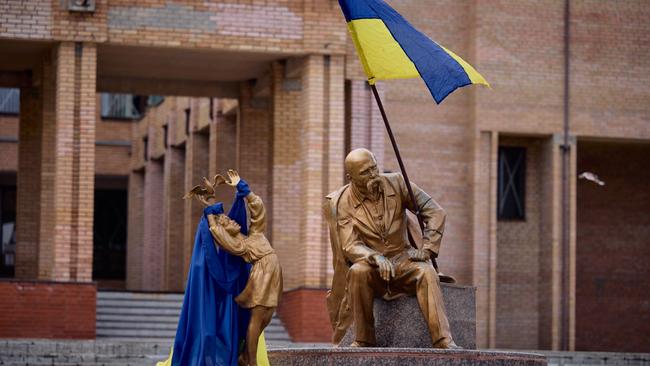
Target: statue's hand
[234, 178]
[419, 255]
[386, 268]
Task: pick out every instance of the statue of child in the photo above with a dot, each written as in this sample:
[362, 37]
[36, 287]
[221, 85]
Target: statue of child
[264, 287]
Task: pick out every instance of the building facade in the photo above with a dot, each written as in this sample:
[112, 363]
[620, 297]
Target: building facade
[275, 90]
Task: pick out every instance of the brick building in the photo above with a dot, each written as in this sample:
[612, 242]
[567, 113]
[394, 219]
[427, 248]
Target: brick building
[275, 89]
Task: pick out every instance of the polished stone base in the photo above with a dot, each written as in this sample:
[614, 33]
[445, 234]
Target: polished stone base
[345, 356]
[400, 324]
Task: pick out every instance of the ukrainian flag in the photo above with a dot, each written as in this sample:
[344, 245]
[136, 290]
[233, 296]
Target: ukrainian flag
[391, 48]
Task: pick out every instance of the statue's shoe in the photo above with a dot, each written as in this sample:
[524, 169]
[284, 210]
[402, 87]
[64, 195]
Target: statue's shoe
[442, 344]
[446, 278]
[361, 344]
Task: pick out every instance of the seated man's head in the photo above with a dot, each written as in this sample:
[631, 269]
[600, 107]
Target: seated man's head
[361, 169]
[231, 226]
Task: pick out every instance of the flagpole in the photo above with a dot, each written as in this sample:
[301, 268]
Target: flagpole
[400, 162]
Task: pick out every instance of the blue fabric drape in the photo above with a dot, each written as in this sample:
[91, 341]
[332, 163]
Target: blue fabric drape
[212, 326]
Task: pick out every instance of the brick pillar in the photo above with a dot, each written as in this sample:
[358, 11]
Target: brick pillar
[549, 256]
[335, 121]
[223, 141]
[309, 118]
[174, 189]
[135, 240]
[153, 249]
[255, 137]
[196, 167]
[66, 167]
[287, 186]
[28, 215]
[484, 234]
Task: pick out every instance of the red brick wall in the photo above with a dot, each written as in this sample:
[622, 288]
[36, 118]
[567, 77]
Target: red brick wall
[518, 247]
[47, 310]
[613, 258]
[305, 316]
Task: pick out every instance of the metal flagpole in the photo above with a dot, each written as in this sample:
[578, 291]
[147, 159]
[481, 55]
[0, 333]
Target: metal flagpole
[400, 162]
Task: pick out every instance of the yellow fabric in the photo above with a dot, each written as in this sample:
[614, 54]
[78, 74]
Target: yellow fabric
[167, 362]
[262, 355]
[382, 57]
[473, 75]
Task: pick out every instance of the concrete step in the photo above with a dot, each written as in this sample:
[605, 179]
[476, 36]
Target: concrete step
[138, 325]
[136, 332]
[138, 295]
[150, 303]
[141, 315]
[138, 311]
[138, 318]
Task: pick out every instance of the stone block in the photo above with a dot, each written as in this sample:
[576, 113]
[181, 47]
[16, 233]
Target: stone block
[400, 356]
[400, 324]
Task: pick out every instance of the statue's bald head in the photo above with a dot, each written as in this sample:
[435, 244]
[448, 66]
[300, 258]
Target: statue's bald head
[357, 158]
[361, 168]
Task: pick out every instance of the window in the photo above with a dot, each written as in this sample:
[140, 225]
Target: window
[187, 121]
[511, 183]
[166, 135]
[7, 230]
[155, 100]
[121, 106]
[9, 101]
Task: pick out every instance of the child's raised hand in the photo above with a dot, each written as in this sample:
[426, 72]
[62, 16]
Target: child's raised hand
[234, 178]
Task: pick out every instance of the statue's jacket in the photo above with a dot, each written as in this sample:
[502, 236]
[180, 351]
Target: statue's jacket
[354, 235]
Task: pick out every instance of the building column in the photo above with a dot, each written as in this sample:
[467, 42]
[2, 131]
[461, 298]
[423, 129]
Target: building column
[223, 149]
[66, 168]
[28, 210]
[153, 249]
[135, 239]
[484, 192]
[196, 167]
[255, 140]
[308, 108]
[174, 190]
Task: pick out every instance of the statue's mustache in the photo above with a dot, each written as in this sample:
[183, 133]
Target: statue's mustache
[373, 185]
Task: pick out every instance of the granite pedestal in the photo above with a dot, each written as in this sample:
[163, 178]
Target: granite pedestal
[345, 356]
[400, 324]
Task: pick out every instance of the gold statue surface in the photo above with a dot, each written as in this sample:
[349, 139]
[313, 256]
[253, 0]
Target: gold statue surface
[372, 254]
[264, 287]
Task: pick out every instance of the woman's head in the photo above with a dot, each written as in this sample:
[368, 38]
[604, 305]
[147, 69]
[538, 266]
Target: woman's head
[231, 226]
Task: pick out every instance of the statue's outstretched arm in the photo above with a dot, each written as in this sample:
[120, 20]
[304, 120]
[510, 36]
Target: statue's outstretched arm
[432, 214]
[257, 213]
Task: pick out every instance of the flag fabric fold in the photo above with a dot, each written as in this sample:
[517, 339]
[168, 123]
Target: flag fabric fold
[391, 48]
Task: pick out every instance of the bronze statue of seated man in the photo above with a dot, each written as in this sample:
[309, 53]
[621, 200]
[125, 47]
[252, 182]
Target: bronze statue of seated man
[372, 254]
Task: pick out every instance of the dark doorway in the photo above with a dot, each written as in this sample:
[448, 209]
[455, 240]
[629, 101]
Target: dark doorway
[109, 247]
[613, 247]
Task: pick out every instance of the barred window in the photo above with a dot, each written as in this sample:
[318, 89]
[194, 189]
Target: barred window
[512, 183]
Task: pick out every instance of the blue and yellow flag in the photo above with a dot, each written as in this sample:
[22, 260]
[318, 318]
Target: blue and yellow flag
[391, 48]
